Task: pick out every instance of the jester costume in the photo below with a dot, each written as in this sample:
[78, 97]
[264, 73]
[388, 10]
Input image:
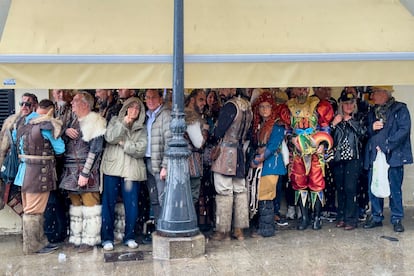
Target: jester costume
[310, 129]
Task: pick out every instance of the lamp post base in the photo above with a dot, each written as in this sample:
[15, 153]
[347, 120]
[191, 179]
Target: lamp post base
[168, 248]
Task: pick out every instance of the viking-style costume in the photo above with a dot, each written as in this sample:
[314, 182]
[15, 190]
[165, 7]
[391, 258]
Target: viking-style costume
[37, 174]
[82, 157]
[196, 139]
[310, 126]
[229, 168]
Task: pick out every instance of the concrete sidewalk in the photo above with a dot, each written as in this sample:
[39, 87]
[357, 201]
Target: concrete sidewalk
[330, 251]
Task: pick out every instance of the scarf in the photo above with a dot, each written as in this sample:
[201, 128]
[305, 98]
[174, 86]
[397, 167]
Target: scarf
[381, 110]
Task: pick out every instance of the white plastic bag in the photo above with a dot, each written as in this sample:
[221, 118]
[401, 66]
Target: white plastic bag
[285, 153]
[380, 185]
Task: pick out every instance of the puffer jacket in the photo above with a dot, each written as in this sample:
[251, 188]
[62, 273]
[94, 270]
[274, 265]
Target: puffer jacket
[126, 161]
[160, 136]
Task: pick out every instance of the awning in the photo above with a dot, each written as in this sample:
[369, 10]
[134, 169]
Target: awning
[232, 43]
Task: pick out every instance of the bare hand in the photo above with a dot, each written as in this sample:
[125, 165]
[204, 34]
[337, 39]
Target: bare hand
[72, 133]
[128, 120]
[163, 174]
[338, 118]
[377, 125]
[82, 181]
[321, 149]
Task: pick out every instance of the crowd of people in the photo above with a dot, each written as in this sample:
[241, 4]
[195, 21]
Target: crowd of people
[92, 162]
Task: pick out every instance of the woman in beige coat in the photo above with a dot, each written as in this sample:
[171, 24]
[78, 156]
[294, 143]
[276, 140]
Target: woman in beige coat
[123, 169]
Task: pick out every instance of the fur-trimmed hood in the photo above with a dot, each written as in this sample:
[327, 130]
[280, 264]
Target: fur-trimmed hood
[141, 117]
[92, 125]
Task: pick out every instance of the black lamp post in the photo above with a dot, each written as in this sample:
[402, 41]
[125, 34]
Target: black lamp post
[178, 217]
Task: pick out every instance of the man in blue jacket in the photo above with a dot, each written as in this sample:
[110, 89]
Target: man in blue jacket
[389, 128]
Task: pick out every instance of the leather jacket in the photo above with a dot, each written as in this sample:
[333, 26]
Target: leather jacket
[354, 131]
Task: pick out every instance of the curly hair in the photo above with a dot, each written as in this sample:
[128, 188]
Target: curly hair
[261, 132]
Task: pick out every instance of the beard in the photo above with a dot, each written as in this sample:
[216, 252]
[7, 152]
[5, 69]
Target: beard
[61, 103]
[102, 104]
[302, 99]
[197, 109]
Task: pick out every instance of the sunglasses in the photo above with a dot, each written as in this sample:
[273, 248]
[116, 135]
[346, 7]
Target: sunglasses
[27, 104]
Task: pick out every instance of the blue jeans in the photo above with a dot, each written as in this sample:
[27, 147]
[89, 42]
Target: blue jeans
[395, 176]
[130, 191]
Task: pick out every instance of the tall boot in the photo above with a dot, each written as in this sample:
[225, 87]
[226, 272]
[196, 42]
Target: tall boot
[76, 224]
[32, 232]
[119, 222]
[224, 210]
[317, 208]
[91, 227]
[241, 215]
[266, 222]
[303, 205]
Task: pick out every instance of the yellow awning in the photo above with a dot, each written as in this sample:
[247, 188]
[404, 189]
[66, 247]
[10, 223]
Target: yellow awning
[232, 43]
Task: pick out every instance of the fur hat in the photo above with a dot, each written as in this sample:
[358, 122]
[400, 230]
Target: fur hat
[387, 88]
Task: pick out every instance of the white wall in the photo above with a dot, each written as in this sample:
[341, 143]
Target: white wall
[406, 94]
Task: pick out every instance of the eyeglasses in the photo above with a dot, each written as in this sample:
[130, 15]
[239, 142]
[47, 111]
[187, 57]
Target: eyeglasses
[27, 104]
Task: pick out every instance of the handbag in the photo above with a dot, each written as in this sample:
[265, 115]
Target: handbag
[380, 185]
[10, 164]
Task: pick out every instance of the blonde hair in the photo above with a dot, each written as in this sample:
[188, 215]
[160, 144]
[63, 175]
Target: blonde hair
[341, 110]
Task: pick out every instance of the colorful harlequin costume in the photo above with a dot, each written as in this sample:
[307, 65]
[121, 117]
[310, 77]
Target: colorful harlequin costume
[309, 122]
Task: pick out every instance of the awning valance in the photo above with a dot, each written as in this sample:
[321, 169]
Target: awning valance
[232, 43]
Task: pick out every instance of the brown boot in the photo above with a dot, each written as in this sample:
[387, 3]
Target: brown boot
[238, 234]
[221, 236]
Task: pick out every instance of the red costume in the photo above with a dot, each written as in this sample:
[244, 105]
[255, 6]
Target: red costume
[310, 126]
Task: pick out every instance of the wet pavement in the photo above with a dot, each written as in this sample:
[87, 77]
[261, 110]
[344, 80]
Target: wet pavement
[330, 251]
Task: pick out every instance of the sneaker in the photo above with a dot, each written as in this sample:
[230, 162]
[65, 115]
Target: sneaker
[280, 221]
[398, 227]
[362, 217]
[329, 216]
[131, 244]
[108, 246]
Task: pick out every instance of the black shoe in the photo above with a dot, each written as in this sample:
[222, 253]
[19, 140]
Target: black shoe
[52, 245]
[46, 250]
[317, 224]
[147, 239]
[398, 227]
[372, 224]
